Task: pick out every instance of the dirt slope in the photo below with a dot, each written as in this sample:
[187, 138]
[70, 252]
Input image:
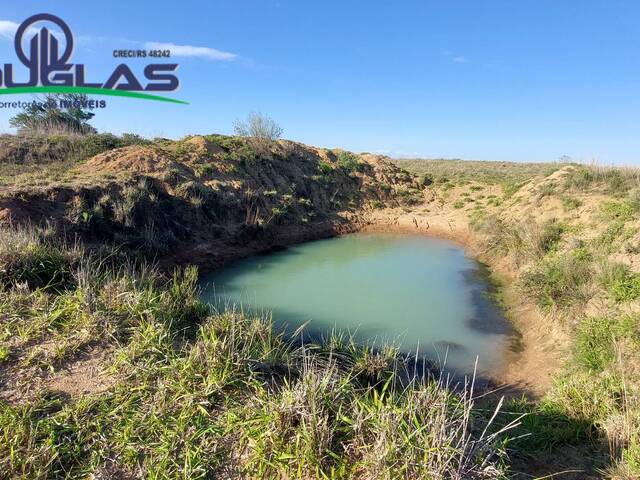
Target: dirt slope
[206, 200]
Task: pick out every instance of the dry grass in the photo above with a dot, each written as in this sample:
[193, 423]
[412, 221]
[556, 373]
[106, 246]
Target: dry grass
[465, 171]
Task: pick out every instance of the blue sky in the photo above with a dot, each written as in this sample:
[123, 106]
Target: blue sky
[499, 80]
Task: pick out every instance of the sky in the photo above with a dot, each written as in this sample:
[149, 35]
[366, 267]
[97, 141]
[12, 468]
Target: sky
[527, 80]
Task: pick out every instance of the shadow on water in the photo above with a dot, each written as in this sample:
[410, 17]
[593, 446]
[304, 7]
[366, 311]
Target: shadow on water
[489, 314]
[486, 316]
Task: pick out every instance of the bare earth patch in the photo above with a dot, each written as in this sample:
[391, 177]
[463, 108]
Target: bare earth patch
[84, 375]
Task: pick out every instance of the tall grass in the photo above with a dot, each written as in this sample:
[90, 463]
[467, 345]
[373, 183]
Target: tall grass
[200, 394]
[614, 180]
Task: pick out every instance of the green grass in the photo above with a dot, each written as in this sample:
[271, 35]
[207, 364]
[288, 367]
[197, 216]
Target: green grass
[596, 340]
[559, 282]
[348, 162]
[614, 180]
[510, 174]
[526, 240]
[620, 211]
[198, 393]
[570, 203]
[621, 283]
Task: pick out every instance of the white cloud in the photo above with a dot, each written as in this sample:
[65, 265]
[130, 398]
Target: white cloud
[191, 51]
[8, 29]
[454, 57]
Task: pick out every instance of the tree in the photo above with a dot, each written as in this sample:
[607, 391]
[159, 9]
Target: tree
[56, 113]
[260, 129]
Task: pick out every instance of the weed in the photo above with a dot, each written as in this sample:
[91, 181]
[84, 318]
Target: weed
[559, 282]
[348, 162]
[621, 283]
[570, 203]
[621, 211]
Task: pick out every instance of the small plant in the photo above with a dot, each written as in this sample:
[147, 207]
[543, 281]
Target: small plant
[570, 203]
[325, 167]
[621, 283]
[348, 162]
[559, 282]
[622, 211]
[546, 189]
[509, 189]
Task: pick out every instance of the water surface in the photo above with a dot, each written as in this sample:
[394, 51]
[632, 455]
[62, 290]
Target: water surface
[423, 294]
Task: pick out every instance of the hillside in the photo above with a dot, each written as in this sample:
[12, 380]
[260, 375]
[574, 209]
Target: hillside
[565, 245]
[204, 200]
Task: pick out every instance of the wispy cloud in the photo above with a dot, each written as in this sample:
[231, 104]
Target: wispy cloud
[455, 58]
[8, 31]
[191, 51]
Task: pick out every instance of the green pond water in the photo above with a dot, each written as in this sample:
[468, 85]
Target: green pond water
[422, 294]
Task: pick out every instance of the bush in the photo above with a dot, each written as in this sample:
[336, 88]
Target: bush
[621, 283]
[559, 282]
[261, 131]
[616, 181]
[550, 235]
[622, 211]
[526, 240]
[570, 203]
[348, 162]
[325, 167]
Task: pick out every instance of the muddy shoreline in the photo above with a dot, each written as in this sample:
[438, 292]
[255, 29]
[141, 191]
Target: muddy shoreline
[528, 369]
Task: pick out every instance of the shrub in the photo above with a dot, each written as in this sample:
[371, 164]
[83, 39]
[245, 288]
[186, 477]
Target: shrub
[570, 203]
[546, 189]
[526, 240]
[621, 283]
[260, 130]
[325, 167]
[550, 235]
[348, 161]
[615, 180]
[509, 189]
[559, 282]
[613, 210]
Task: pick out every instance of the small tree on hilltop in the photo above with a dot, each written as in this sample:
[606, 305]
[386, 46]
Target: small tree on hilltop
[261, 131]
[56, 113]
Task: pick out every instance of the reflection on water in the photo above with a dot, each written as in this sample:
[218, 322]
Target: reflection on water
[420, 293]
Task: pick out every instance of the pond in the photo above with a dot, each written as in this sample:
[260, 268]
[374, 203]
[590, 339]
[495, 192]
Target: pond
[420, 293]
